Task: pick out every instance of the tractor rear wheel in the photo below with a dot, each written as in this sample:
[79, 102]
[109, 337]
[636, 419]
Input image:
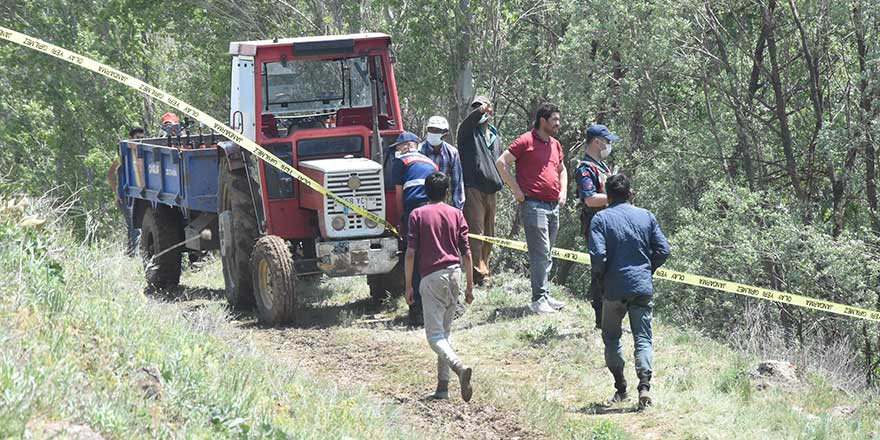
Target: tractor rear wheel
[274, 280]
[234, 198]
[161, 229]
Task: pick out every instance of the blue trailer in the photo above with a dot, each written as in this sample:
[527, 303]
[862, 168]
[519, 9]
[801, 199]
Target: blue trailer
[172, 193]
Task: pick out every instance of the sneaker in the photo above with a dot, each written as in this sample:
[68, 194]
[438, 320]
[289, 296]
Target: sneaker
[541, 307]
[555, 303]
[644, 398]
[617, 398]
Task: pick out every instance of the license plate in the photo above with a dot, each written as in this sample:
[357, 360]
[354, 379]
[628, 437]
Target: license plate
[360, 201]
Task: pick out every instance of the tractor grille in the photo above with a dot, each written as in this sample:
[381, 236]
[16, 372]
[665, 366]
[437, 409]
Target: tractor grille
[368, 196]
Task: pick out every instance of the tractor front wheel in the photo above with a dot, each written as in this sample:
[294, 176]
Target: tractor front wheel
[274, 280]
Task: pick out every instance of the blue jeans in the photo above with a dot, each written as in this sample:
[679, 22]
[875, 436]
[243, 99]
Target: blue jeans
[639, 309]
[541, 223]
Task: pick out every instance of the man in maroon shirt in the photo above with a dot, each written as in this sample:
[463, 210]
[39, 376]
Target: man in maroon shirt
[540, 188]
[438, 235]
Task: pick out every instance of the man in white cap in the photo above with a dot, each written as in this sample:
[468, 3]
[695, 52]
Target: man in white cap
[445, 156]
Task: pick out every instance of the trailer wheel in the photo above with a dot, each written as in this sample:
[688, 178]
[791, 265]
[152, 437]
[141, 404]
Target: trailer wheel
[391, 284]
[238, 238]
[161, 229]
[274, 280]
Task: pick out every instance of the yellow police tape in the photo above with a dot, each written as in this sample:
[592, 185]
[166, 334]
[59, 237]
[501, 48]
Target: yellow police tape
[266, 156]
[238, 138]
[710, 283]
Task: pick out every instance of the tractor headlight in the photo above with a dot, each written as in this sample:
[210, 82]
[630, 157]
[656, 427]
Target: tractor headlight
[370, 224]
[354, 183]
[338, 222]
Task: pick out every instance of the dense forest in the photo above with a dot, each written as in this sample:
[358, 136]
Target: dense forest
[750, 127]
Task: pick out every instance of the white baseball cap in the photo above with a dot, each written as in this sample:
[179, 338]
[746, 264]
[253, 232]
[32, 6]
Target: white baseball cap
[438, 122]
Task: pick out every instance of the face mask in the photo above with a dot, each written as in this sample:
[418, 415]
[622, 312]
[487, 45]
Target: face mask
[434, 138]
[606, 151]
[484, 118]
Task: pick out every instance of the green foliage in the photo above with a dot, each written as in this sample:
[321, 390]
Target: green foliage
[606, 430]
[542, 334]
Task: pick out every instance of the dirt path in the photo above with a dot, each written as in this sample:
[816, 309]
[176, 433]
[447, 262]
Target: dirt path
[359, 345]
[351, 359]
[535, 377]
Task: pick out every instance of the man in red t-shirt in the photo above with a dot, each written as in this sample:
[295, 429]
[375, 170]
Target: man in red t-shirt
[540, 188]
[438, 235]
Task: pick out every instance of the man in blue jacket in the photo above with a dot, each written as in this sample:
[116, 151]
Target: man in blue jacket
[626, 247]
[408, 174]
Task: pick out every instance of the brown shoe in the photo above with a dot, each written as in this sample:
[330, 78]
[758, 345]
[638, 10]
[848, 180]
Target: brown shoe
[442, 391]
[464, 380]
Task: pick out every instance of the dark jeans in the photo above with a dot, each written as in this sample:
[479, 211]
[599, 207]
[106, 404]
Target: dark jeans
[639, 309]
[597, 296]
[416, 276]
[134, 234]
[540, 221]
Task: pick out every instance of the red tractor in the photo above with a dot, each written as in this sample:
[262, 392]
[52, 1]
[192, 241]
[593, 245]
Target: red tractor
[325, 105]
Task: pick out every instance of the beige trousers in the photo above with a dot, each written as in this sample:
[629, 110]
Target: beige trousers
[440, 292]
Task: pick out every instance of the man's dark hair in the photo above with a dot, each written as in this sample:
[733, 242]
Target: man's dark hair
[618, 188]
[134, 131]
[436, 186]
[545, 111]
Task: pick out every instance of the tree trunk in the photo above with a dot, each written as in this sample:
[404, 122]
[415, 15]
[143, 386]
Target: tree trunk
[865, 103]
[791, 167]
[815, 85]
[464, 73]
[148, 111]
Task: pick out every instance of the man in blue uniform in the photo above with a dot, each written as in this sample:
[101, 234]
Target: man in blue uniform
[408, 175]
[591, 174]
[626, 247]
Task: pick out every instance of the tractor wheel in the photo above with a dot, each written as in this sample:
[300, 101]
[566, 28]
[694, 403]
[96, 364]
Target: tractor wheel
[274, 280]
[161, 229]
[391, 284]
[234, 197]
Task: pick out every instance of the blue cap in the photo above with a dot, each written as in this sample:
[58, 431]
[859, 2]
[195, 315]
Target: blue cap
[597, 130]
[406, 136]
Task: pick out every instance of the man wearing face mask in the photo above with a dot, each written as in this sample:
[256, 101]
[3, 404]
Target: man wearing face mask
[480, 146]
[591, 174]
[445, 156]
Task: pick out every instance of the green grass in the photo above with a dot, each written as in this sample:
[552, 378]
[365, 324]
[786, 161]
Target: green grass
[701, 388]
[76, 332]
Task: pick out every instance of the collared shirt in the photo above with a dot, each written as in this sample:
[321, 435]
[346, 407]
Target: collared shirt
[493, 136]
[537, 166]
[410, 171]
[448, 162]
[626, 247]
